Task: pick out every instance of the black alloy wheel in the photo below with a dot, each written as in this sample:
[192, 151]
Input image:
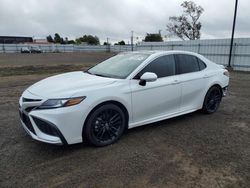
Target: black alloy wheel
[105, 125]
[212, 100]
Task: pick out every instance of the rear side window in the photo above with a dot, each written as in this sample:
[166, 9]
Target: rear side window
[162, 67]
[186, 63]
[202, 65]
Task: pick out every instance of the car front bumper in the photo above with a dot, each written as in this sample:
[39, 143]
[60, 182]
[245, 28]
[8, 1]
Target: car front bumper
[60, 126]
[44, 138]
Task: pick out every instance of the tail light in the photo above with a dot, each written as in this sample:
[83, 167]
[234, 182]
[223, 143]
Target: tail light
[226, 73]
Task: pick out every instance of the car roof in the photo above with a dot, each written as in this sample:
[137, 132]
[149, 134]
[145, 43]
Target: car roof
[162, 52]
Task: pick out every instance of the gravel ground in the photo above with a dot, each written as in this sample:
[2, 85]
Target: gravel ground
[18, 59]
[193, 150]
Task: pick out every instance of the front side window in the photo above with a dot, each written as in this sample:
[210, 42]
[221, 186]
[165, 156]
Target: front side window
[186, 63]
[119, 66]
[162, 67]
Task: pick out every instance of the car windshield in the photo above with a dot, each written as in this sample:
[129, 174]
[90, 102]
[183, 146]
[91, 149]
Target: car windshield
[119, 66]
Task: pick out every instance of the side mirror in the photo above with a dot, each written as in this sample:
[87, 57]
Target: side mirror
[147, 77]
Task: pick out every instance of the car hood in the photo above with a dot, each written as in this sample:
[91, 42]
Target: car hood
[67, 84]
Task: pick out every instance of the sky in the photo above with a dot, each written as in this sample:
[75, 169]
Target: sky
[115, 19]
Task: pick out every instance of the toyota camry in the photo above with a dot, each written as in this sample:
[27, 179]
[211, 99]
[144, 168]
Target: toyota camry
[125, 91]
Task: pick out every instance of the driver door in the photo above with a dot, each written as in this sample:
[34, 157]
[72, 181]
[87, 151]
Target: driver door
[158, 98]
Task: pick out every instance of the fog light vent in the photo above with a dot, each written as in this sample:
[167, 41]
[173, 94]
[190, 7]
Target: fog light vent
[45, 127]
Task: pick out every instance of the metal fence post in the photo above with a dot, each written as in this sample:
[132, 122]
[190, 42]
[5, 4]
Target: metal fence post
[233, 54]
[108, 47]
[232, 37]
[3, 48]
[16, 48]
[199, 46]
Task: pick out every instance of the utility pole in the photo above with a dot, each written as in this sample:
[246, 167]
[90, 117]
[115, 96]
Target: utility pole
[232, 37]
[160, 32]
[132, 40]
[108, 46]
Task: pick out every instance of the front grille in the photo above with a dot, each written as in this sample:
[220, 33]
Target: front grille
[31, 100]
[27, 122]
[46, 127]
[28, 109]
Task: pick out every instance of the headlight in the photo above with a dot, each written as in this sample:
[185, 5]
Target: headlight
[57, 103]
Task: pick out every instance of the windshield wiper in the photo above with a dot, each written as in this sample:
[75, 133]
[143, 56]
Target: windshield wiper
[96, 74]
[87, 71]
[106, 76]
[101, 75]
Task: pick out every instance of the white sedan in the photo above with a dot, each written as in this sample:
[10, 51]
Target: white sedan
[125, 91]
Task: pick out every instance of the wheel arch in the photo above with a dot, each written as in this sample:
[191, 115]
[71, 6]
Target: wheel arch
[117, 103]
[216, 85]
[208, 87]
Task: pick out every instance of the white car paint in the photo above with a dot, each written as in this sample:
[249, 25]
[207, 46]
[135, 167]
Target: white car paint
[161, 99]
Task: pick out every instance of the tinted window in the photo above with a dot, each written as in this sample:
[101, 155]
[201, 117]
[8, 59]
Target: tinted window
[202, 65]
[162, 67]
[187, 63]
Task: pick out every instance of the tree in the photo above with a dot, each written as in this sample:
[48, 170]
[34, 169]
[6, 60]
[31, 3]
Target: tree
[89, 39]
[186, 26]
[71, 42]
[153, 37]
[78, 41]
[120, 43]
[58, 39]
[49, 38]
[66, 40]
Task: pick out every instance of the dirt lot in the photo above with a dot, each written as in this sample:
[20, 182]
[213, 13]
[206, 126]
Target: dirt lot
[51, 58]
[194, 150]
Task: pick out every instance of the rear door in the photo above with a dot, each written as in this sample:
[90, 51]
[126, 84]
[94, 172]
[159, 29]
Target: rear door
[193, 81]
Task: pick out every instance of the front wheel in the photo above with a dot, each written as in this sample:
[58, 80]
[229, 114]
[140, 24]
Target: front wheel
[212, 100]
[105, 125]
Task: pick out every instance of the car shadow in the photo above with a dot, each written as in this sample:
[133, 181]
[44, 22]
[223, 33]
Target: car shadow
[167, 122]
[137, 130]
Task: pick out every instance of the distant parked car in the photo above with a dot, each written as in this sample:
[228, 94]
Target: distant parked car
[25, 50]
[35, 49]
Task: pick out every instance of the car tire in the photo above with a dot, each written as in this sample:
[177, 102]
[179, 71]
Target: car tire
[212, 100]
[105, 125]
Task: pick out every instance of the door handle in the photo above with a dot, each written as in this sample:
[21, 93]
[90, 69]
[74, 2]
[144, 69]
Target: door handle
[205, 76]
[175, 82]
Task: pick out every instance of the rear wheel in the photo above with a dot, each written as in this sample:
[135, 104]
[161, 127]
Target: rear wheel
[212, 100]
[105, 125]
